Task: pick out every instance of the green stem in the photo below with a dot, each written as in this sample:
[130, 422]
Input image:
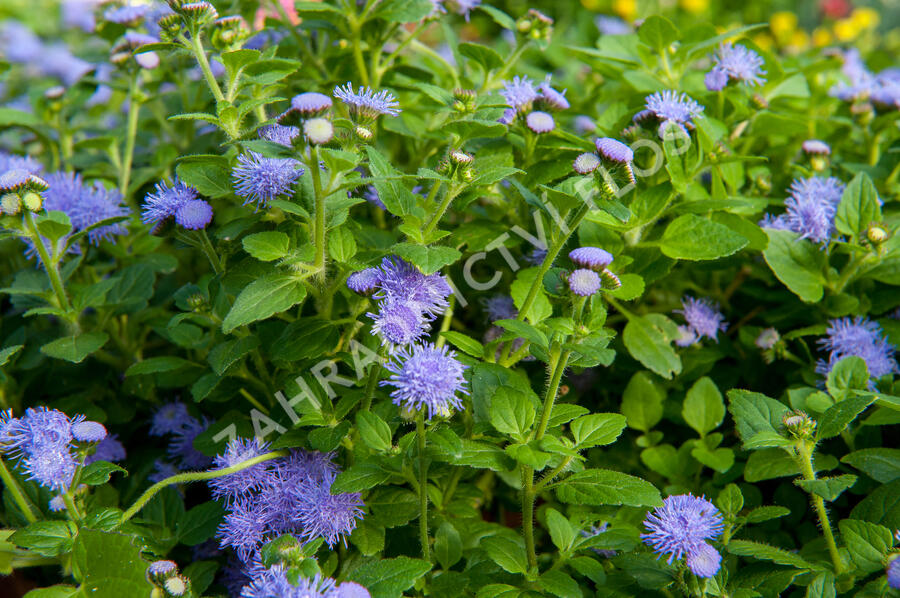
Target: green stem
[430, 52]
[371, 383]
[134, 108]
[559, 367]
[423, 487]
[319, 263]
[439, 213]
[13, 486]
[445, 323]
[197, 47]
[210, 252]
[804, 460]
[513, 59]
[387, 62]
[50, 266]
[528, 514]
[361, 68]
[74, 513]
[196, 476]
[848, 274]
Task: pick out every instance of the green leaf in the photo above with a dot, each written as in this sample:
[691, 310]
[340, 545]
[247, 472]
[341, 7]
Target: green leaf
[511, 411]
[464, 343]
[226, 354]
[110, 564]
[867, 543]
[524, 330]
[368, 537]
[99, 472]
[730, 499]
[597, 429]
[836, 419]
[562, 532]
[797, 263]
[47, 538]
[486, 56]
[690, 237]
[642, 402]
[155, 365]
[648, 339]
[506, 552]
[208, 175]
[767, 513]
[822, 586]
[8, 352]
[199, 524]
[341, 244]
[359, 477]
[53, 225]
[540, 308]
[607, 487]
[396, 197]
[828, 488]
[881, 506]
[429, 259]
[267, 246]
[529, 454]
[882, 464]
[720, 459]
[274, 293]
[847, 375]
[770, 463]
[858, 208]
[373, 430]
[500, 17]
[389, 578]
[58, 591]
[403, 11]
[764, 552]
[658, 32]
[754, 413]
[703, 409]
[447, 545]
[75, 348]
[560, 584]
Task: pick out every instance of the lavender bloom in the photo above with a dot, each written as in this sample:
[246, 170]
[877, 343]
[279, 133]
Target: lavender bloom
[367, 104]
[310, 103]
[86, 205]
[594, 258]
[735, 63]
[162, 568]
[58, 61]
[323, 514]
[596, 530]
[13, 162]
[862, 338]
[88, 431]
[398, 322]
[669, 105]
[273, 582]
[779, 222]
[280, 134]
[681, 528]
[812, 207]
[460, 7]
[614, 150]
[687, 336]
[370, 194]
[767, 339]
[401, 280]
[39, 429]
[128, 15]
[52, 468]
[584, 282]
[584, 124]
[351, 589]
[519, 93]
[816, 146]
[703, 317]
[893, 572]
[170, 418]
[552, 98]
[540, 122]
[181, 448]
[364, 281]
[586, 163]
[166, 202]
[608, 25]
[244, 527]
[508, 116]
[278, 500]
[19, 43]
[237, 484]
[260, 180]
[537, 256]
[109, 449]
[57, 504]
[883, 88]
[195, 214]
[500, 307]
[162, 470]
[426, 376]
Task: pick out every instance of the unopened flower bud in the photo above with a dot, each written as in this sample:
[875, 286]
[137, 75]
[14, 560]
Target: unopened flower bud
[468, 175]
[10, 204]
[159, 571]
[32, 201]
[799, 424]
[609, 280]
[460, 157]
[176, 586]
[363, 133]
[877, 234]
[318, 130]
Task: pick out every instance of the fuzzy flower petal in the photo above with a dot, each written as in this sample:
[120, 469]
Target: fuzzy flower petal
[428, 377]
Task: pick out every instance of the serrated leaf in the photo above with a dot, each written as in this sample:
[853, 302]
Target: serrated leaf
[274, 293]
[99, 472]
[648, 339]
[691, 237]
[597, 429]
[359, 477]
[868, 543]
[464, 343]
[797, 263]
[429, 259]
[607, 487]
[506, 552]
[75, 348]
[828, 488]
[267, 246]
[765, 552]
[703, 408]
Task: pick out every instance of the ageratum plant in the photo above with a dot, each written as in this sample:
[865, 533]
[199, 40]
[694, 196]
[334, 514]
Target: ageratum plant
[448, 298]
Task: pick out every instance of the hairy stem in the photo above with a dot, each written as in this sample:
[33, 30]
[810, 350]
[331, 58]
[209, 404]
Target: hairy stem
[319, 263]
[423, 487]
[16, 491]
[528, 514]
[210, 252]
[196, 476]
[197, 47]
[804, 460]
[441, 209]
[50, 266]
[134, 108]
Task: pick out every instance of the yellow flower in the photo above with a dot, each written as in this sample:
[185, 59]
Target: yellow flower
[800, 40]
[593, 5]
[694, 6]
[627, 9]
[821, 37]
[865, 18]
[783, 24]
[764, 41]
[846, 30]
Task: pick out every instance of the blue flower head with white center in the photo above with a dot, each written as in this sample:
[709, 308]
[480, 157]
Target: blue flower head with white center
[703, 317]
[540, 122]
[366, 104]
[259, 180]
[426, 377]
[681, 528]
[239, 483]
[584, 282]
[859, 337]
[735, 63]
[519, 93]
[88, 431]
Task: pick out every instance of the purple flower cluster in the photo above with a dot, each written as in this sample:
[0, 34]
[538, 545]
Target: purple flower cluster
[173, 419]
[735, 63]
[703, 320]
[44, 440]
[669, 109]
[407, 299]
[366, 104]
[20, 45]
[810, 209]
[681, 528]
[180, 201]
[460, 7]
[289, 494]
[862, 338]
[522, 94]
[426, 377]
[14, 162]
[274, 582]
[862, 84]
[259, 179]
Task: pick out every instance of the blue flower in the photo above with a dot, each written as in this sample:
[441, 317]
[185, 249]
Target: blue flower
[893, 572]
[366, 103]
[584, 282]
[426, 377]
[170, 418]
[594, 258]
[812, 207]
[687, 336]
[236, 484]
[672, 106]
[14, 162]
[39, 429]
[260, 180]
[88, 431]
[401, 280]
[584, 124]
[681, 528]
[280, 134]
[195, 214]
[816, 146]
[181, 447]
[322, 514]
[86, 205]
[278, 499]
[460, 7]
[57, 60]
[310, 103]
[552, 98]
[519, 93]
[51, 467]
[162, 470]
[703, 317]
[614, 150]
[244, 527]
[735, 63]
[500, 307]
[364, 281]
[129, 15]
[274, 583]
[862, 338]
[398, 322]
[109, 449]
[767, 338]
[19, 43]
[608, 25]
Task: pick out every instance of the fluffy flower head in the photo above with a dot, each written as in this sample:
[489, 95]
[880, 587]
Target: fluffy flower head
[426, 377]
[259, 180]
[703, 317]
[681, 528]
[367, 104]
